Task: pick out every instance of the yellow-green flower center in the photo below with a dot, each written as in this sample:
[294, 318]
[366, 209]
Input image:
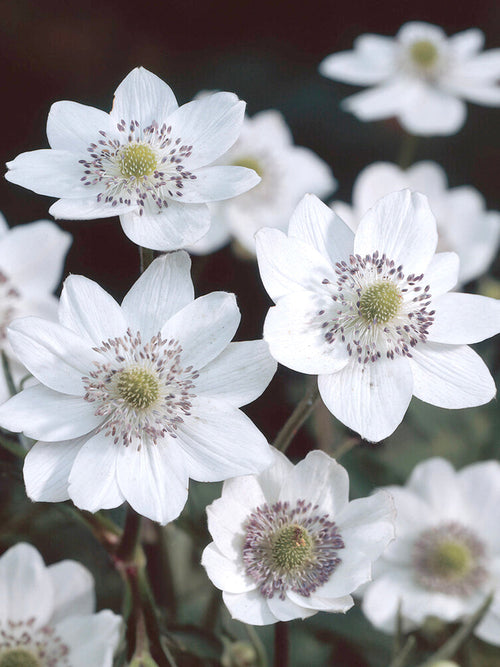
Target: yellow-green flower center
[137, 160]
[424, 53]
[138, 387]
[19, 657]
[380, 301]
[249, 163]
[291, 547]
[450, 560]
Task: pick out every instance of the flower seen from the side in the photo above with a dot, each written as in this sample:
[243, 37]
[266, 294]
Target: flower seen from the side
[370, 315]
[47, 614]
[445, 559]
[135, 399]
[421, 76]
[148, 161]
[463, 223]
[287, 173]
[288, 543]
[31, 265]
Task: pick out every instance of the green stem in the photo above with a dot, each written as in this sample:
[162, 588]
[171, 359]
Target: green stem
[407, 150]
[258, 645]
[401, 658]
[130, 537]
[281, 644]
[147, 256]
[298, 417]
[8, 375]
[344, 447]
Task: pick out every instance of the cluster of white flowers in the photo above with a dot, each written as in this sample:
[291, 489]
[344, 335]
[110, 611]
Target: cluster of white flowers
[128, 402]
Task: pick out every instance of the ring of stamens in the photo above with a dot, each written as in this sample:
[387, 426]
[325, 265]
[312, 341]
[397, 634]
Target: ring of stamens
[23, 645]
[137, 160]
[290, 547]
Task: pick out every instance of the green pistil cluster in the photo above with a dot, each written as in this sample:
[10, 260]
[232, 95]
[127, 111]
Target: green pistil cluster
[249, 163]
[291, 548]
[424, 53]
[19, 657]
[137, 160]
[380, 302]
[138, 387]
[450, 560]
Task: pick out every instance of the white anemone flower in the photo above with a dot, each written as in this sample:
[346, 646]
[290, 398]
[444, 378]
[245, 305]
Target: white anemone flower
[287, 173]
[288, 543]
[47, 614]
[445, 559]
[136, 399]
[420, 76]
[31, 265]
[463, 223]
[147, 161]
[369, 314]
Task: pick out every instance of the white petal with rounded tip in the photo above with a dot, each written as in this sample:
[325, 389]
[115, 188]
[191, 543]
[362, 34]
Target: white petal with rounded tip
[218, 183]
[227, 574]
[369, 398]
[220, 441]
[249, 607]
[272, 478]
[93, 480]
[144, 97]
[47, 467]
[33, 255]
[92, 639]
[317, 225]
[89, 311]
[429, 178]
[466, 43]
[402, 226]
[442, 273]
[44, 414]
[464, 318]
[217, 236]
[482, 67]
[318, 603]
[73, 127]
[319, 480]
[53, 354]
[371, 61]
[367, 524]
[162, 290]
[87, 208]
[73, 587]
[239, 374]
[153, 479]
[379, 102]
[25, 587]
[308, 173]
[435, 481]
[204, 328]
[287, 610]
[432, 112]
[49, 172]
[175, 227]
[296, 338]
[477, 92]
[374, 182]
[210, 125]
[480, 486]
[288, 264]
[450, 376]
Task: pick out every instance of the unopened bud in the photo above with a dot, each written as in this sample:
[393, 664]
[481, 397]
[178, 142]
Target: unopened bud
[239, 654]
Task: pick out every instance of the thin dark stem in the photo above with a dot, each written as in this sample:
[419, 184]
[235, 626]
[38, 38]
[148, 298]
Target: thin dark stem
[344, 447]
[8, 375]
[147, 256]
[130, 538]
[407, 150]
[298, 417]
[280, 644]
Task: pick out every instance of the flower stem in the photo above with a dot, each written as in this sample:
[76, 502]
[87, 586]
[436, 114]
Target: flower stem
[130, 538]
[345, 447]
[8, 375]
[407, 150]
[400, 660]
[147, 256]
[280, 644]
[298, 417]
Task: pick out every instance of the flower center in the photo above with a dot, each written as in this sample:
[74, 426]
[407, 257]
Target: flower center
[424, 53]
[380, 302]
[291, 547]
[19, 657]
[137, 160]
[449, 559]
[138, 387]
[249, 163]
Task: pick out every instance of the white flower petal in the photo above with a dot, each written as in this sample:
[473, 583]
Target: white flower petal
[89, 311]
[353, 570]
[379, 102]
[92, 639]
[47, 467]
[376, 181]
[239, 375]
[73, 127]
[210, 125]
[382, 599]
[73, 587]
[220, 441]
[435, 481]
[217, 236]
[296, 338]
[442, 273]
[272, 478]
[450, 376]
[25, 587]
[489, 628]
[318, 603]
[87, 208]
[92, 481]
[211, 319]
[430, 111]
[249, 607]
[464, 318]
[369, 398]
[153, 479]
[317, 225]
[402, 226]
[367, 524]
[288, 264]
[480, 488]
[371, 61]
[217, 183]
[478, 92]
[144, 97]
[466, 43]
[287, 610]
[160, 292]
[176, 227]
[41, 413]
[429, 178]
[225, 573]
[308, 173]
[53, 354]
